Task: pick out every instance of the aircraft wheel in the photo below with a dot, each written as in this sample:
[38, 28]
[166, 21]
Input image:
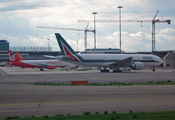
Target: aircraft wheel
[104, 70]
[119, 71]
[41, 69]
[153, 69]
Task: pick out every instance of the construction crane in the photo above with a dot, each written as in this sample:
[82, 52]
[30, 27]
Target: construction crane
[85, 32]
[153, 30]
[153, 25]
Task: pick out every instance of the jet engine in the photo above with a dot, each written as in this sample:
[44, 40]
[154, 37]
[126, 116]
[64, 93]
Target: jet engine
[51, 67]
[137, 66]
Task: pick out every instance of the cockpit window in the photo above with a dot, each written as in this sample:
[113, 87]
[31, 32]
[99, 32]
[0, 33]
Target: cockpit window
[157, 59]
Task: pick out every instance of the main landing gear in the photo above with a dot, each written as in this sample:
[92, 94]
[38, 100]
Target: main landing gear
[104, 70]
[107, 70]
[118, 71]
[41, 69]
[153, 68]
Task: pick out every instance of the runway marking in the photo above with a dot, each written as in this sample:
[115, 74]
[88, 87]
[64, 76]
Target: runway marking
[91, 101]
[30, 93]
[2, 72]
[96, 78]
[161, 78]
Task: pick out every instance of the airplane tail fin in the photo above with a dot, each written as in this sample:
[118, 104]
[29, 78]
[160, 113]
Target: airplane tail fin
[64, 46]
[66, 49]
[19, 56]
[12, 57]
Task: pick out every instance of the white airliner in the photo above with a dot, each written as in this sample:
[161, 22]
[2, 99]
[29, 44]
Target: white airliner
[21, 62]
[112, 61]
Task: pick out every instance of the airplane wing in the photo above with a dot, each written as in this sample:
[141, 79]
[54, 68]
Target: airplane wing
[49, 56]
[43, 65]
[58, 57]
[66, 58]
[47, 66]
[123, 63]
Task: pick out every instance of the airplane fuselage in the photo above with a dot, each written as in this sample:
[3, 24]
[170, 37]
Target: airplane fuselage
[104, 60]
[39, 63]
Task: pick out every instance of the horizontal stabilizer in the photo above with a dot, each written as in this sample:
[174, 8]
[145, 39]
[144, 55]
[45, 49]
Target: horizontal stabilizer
[49, 56]
[66, 58]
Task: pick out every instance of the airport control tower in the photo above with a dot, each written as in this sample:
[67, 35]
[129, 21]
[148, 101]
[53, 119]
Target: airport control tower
[4, 45]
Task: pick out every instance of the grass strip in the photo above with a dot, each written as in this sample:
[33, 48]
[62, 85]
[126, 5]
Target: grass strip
[165, 115]
[109, 84]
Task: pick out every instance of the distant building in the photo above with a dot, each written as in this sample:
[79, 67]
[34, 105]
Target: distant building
[30, 48]
[103, 51]
[169, 59]
[4, 45]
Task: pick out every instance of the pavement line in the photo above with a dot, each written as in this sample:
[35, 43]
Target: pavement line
[165, 78]
[90, 101]
[95, 78]
[2, 72]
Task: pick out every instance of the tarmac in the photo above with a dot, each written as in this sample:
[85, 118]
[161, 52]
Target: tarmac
[18, 97]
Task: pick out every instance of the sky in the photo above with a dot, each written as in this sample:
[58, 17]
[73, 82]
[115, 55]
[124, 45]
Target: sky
[19, 20]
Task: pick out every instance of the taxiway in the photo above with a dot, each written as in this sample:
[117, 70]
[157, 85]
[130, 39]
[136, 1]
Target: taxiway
[19, 98]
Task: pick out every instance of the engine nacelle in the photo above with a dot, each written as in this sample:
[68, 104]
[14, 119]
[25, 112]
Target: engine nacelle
[137, 66]
[51, 67]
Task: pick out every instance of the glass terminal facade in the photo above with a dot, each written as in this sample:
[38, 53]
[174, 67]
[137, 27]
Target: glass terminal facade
[4, 45]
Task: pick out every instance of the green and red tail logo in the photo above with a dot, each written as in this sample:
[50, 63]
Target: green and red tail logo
[66, 49]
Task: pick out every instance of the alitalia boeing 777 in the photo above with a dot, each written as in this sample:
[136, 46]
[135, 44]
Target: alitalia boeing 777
[112, 61]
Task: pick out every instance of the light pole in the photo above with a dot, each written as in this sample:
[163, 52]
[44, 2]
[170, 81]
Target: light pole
[48, 44]
[120, 24]
[94, 31]
[77, 45]
[77, 41]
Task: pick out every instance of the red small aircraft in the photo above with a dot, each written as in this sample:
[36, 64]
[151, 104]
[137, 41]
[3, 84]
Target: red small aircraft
[21, 62]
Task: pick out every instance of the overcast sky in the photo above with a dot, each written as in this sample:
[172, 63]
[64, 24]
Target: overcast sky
[19, 18]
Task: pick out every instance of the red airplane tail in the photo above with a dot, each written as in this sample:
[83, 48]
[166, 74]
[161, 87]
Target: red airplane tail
[19, 56]
[12, 57]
